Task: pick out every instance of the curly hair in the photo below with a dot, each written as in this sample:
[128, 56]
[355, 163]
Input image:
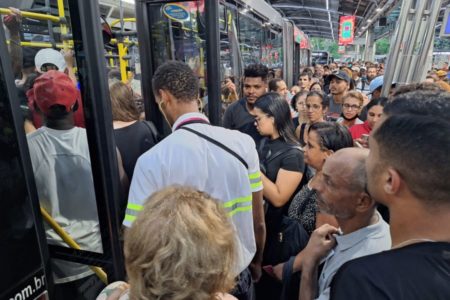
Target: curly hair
[354, 94]
[181, 246]
[178, 79]
[256, 70]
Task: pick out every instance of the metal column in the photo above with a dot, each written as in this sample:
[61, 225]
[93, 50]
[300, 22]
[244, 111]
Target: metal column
[369, 52]
[411, 43]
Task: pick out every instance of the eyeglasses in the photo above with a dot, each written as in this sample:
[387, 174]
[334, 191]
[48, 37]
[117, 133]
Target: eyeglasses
[351, 107]
[313, 107]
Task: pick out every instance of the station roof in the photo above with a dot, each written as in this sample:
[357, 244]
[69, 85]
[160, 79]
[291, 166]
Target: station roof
[320, 18]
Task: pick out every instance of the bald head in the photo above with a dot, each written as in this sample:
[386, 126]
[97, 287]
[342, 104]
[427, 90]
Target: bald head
[352, 163]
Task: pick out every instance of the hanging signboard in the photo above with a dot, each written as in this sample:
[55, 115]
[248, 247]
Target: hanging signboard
[341, 49]
[346, 30]
[176, 12]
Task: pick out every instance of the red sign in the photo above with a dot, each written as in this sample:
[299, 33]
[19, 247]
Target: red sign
[346, 30]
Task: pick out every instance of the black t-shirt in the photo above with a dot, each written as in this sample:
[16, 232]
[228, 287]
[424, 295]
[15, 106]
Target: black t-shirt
[290, 160]
[132, 142]
[415, 272]
[237, 117]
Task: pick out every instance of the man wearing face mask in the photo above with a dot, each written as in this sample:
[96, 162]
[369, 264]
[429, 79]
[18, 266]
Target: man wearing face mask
[221, 162]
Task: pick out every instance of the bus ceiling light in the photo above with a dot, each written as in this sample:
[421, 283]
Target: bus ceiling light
[128, 1]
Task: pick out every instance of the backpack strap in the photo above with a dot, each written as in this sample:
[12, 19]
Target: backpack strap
[213, 141]
[152, 129]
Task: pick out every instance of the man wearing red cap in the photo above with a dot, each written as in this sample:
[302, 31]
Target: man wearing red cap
[62, 170]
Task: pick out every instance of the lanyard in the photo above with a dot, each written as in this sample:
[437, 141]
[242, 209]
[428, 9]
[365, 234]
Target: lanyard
[192, 121]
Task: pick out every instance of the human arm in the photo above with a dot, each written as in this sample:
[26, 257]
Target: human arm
[227, 120]
[70, 64]
[13, 22]
[259, 227]
[279, 193]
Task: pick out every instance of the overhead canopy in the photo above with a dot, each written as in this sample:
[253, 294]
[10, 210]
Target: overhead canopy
[320, 18]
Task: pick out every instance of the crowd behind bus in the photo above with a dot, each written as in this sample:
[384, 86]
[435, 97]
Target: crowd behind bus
[321, 190]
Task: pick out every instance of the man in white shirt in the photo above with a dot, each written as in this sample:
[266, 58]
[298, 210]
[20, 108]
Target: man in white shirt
[221, 162]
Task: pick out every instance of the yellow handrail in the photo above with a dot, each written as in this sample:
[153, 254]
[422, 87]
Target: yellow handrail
[32, 15]
[115, 22]
[69, 241]
[63, 26]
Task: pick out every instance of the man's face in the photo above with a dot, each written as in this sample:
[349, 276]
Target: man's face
[282, 88]
[318, 69]
[371, 73]
[304, 82]
[334, 195]
[374, 170]
[338, 86]
[254, 87]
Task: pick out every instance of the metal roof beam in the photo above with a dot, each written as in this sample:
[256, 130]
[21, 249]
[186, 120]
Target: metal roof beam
[310, 19]
[312, 8]
[314, 26]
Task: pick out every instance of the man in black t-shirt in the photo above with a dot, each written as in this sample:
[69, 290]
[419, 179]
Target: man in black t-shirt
[408, 170]
[239, 115]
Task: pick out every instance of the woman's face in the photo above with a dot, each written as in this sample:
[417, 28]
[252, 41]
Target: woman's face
[314, 109]
[316, 88]
[351, 108]
[314, 155]
[374, 115]
[263, 122]
[300, 105]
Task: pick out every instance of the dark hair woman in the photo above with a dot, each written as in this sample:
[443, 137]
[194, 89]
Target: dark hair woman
[282, 167]
[361, 132]
[133, 137]
[323, 140]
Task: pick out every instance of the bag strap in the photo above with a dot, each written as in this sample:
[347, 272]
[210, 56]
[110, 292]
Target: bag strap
[213, 141]
[280, 152]
[152, 129]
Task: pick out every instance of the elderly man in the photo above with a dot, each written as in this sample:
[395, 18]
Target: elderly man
[408, 170]
[341, 192]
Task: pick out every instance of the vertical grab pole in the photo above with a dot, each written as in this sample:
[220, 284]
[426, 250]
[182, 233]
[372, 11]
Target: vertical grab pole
[213, 60]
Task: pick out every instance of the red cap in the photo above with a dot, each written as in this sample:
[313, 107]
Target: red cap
[54, 87]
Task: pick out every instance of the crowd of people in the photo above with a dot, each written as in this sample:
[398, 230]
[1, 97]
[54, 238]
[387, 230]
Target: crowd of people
[321, 190]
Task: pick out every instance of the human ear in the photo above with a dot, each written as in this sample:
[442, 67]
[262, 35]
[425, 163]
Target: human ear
[393, 181]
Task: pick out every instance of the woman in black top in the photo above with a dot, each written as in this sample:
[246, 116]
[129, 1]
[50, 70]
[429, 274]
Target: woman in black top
[280, 156]
[133, 137]
[282, 168]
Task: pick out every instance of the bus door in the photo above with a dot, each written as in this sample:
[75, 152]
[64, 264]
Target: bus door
[169, 30]
[23, 250]
[89, 195]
